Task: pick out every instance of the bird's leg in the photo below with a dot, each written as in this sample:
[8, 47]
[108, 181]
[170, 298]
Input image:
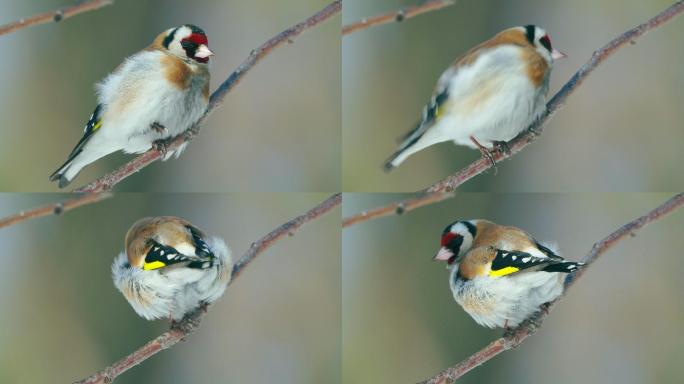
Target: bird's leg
[161, 145]
[484, 151]
[502, 147]
[545, 308]
[508, 331]
[157, 127]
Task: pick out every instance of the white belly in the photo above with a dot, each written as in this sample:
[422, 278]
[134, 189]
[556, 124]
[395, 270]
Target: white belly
[506, 301]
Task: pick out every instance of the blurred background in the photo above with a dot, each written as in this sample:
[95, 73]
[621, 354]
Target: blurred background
[621, 322]
[278, 130]
[63, 319]
[620, 131]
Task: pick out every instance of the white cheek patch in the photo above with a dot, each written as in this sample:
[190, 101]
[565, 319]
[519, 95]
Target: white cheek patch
[462, 230]
[175, 46]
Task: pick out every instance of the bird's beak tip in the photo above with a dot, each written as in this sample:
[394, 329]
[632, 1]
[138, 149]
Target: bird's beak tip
[443, 255]
[203, 52]
[557, 55]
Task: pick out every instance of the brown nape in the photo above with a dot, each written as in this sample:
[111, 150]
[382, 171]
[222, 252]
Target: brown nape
[513, 36]
[173, 231]
[491, 234]
[158, 41]
[477, 262]
[487, 233]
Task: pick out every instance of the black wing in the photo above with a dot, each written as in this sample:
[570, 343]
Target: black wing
[160, 256]
[430, 114]
[91, 127]
[509, 262]
[547, 251]
[201, 247]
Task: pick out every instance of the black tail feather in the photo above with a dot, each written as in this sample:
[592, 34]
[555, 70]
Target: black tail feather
[388, 166]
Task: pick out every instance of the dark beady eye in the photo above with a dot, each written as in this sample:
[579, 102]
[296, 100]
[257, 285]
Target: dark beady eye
[187, 44]
[545, 41]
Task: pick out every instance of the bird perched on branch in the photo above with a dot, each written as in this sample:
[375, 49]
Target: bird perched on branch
[488, 96]
[500, 275]
[153, 96]
[170, 267]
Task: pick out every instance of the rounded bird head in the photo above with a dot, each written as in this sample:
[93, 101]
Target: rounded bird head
[166, 230]
[537, 37]
[457, 238]
[188, 42]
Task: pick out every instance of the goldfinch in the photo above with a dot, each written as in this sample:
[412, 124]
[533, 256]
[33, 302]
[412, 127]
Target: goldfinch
[488, 96]
[169, 267]
[154, 95]
[501, 275]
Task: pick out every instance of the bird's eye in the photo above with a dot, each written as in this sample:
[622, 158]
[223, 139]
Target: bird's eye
[186, 44]
[545, 41]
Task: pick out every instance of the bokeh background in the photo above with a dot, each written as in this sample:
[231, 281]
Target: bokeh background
[621, 130]
[284, 114]
[62, 318]
[621, 323]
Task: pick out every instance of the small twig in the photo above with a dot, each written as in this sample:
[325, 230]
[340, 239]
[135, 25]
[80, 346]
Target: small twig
[284, 230]
[111, 179]
[58, 15]
[397, 208]
[397, 16]
[191, 321]
[557, 102]
[516, 336]
[54, 209]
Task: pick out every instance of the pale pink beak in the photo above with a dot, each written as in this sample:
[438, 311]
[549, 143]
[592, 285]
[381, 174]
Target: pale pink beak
[203, 52]
[556, 54]
[444, 254]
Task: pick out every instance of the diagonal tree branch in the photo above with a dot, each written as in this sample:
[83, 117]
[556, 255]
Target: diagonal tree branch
[536, 129]
[516, 336]
[398, 208]
[55, 208]
[111, 179]
[58, 15]
[397, 16]
[191, 321]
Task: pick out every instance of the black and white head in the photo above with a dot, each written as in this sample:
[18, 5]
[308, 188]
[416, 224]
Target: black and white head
[188, 42]
[541, 41]
[457, 238]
